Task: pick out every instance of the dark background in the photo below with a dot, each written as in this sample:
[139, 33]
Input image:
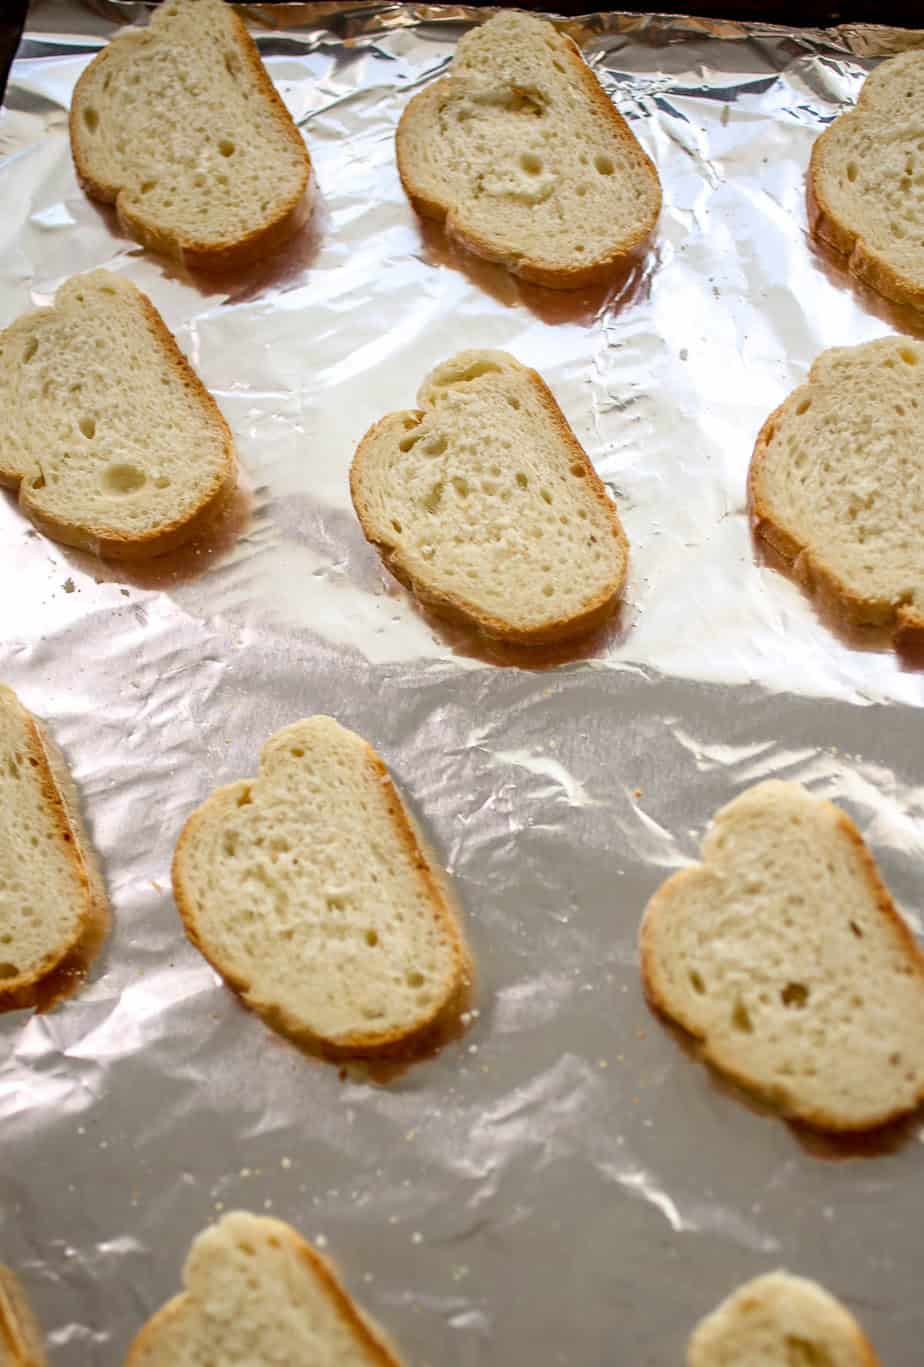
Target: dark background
[812, 13]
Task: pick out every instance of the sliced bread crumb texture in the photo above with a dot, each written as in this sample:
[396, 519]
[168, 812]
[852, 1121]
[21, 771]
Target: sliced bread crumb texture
[520, 151]
[780, 1321]
[784, 955]
[21, 1339]
[866, 185]
[837, 481]
[53, 911]
[484, 504]
[308, 891]
[257, 1295]
[112, 441]
[180, 127]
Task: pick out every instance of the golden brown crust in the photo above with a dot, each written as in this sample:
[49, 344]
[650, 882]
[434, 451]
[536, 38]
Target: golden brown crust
[863, 262]
[816, 1118]
[453, 606]
[145, 1342]
[20, 1334]
[229, 254]
[531, 269]
[62, 971]
[389, 1044]
[816, 577]
[99, 540]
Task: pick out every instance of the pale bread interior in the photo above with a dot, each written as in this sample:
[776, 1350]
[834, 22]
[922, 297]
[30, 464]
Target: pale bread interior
[175, 123]
[840, 474]
[783, 953]
[529, 164]
[305, 888]
[257, 1296]
[106, 432]
[779, 1321]
[484, 499]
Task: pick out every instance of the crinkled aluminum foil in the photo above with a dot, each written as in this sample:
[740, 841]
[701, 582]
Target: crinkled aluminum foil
[563, 1185]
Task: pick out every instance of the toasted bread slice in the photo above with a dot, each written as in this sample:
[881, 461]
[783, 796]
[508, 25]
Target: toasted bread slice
[484, 504]
[112, 441]
[783, 953]
[257, 1293]
[308, 891]
[837, 481]
[53, 907]
[780, 1321]
[21, 1340]
[523, 156]
[863, 182]
[180, 127]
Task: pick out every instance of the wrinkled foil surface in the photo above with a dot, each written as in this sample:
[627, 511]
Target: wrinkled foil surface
[563, 1184]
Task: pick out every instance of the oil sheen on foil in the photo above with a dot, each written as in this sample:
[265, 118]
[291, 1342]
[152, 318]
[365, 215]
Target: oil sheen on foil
[563, 1185]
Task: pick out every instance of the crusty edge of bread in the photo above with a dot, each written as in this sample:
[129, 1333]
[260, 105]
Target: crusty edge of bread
[533, 269]
[389, 1044]
[863, 263]
[815, 1119]
[231, 253]
[817, 577]
[66, 971]
[453, 606]
[99, 540]
[20, 1332]
[369, 1334]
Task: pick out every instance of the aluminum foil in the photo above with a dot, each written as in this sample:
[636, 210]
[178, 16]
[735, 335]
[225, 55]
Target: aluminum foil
[563, 1185]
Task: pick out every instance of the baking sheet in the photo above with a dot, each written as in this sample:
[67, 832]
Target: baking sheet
[563, 1185]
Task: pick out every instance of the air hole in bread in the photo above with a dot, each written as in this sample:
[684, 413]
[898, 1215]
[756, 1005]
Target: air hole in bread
[229, 842]
[38, 482]
[474, 372]
[8, 970]
[741, 1019]
[856, 930]
[548, 590]
[794, 994]
[226, 147]
[124, 479]
[406, 443]
[522, 479]
[162, 482]
[545, 495]
[30, 349]
[530, 163]
[461, 486]
[908, 356]
[514, 403]
[852, 171]
[87, 426]
[91, 119]
[696, 982]
[436, 445]
[231, 64]
[804, 407]
[147, 186]
[245, 798]
[297, 751]
[603, 165]
[577, 469]
[432, 500]
[804, 1353]
[372, 938]
[415, 979]
[579, 247]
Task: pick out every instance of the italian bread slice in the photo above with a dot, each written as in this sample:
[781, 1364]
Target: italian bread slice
[865, 181]
[21, 1341]
[837, 481]
[257, 1295]
[783, 953]
[307, 890]
[523, 156]
[484, 504]
[53, 908]
[112, 441]
[180, 127]
[780, 1321]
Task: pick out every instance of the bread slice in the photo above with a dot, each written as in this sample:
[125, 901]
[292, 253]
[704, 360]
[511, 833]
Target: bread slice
[53, 908]
[523, 156]
[864, 179]
[180, 127]
[783, 953]
[780, 1321]
[257, 1293]
[837, 481]
[21, 1340]
[484, 504]
[112, 441]
[308, 891]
